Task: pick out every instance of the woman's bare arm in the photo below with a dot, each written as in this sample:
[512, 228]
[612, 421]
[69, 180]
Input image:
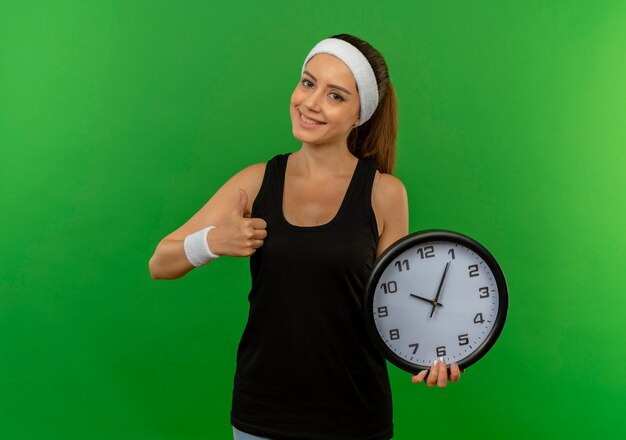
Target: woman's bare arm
[228, 210]
[391, 207]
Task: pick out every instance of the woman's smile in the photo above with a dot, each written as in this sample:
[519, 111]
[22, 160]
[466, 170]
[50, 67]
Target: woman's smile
[309, 123]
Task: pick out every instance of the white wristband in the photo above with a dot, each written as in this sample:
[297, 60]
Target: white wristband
[197, 247]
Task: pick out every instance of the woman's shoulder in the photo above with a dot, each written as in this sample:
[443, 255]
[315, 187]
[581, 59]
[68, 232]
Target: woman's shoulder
[388, 189]
[253, 171]
[256, 171]
[391, 208]
[389, 202]
[251, 177]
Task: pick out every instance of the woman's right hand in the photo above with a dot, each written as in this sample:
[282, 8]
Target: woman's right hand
[237, 235]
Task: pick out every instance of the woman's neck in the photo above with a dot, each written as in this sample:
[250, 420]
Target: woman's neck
[324, 161]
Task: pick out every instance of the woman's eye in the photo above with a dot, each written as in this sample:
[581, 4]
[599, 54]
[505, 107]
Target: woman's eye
[306, 83]
[337, 97]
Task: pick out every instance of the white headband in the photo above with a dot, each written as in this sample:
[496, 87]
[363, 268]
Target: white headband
[360, 67]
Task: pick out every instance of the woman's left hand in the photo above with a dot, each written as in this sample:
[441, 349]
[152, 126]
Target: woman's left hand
[438, 374]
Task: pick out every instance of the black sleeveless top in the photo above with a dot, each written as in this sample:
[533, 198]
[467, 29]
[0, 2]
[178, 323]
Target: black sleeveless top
[306, 369]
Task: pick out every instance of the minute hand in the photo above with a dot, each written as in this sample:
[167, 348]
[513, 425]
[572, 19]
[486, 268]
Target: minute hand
[439, 289]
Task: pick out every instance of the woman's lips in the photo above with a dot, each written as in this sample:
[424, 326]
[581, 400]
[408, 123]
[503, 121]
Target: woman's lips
[310, 123]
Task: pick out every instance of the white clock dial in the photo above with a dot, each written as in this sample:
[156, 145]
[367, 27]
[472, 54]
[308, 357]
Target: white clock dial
[422, 315]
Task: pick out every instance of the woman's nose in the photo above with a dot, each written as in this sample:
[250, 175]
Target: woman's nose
[312, 101]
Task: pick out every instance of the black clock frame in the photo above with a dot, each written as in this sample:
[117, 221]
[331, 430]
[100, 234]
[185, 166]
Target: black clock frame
[416, 238]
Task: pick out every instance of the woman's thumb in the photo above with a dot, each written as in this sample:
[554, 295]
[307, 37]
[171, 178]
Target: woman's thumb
[243, 202]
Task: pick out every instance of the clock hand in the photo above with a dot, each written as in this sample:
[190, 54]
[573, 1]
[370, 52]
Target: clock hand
[439, 290]
[429, 301]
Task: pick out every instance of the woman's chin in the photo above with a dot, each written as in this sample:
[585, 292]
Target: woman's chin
[304, 136]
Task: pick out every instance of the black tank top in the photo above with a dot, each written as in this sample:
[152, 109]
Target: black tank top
[306, 368]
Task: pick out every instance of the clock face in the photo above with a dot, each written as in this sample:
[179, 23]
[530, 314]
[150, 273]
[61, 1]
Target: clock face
[436, 294]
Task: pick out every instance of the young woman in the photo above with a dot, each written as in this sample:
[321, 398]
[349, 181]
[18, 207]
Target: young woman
[313, 223]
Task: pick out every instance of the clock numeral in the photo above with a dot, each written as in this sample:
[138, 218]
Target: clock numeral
[404, 263]
[463, 339]
[478, 319]
[382, 312]
[441, 351]
[426, 252]
[451, 253]
[473, 270]
[389, 287]
[414, 347]
[394, 334]
[484, 292]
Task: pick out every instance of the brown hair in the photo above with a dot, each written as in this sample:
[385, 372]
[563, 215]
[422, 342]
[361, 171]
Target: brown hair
[376, 138]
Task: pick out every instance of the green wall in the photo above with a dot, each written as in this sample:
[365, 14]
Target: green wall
[119, 119]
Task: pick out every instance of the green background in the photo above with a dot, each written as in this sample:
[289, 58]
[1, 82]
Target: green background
[119, 119]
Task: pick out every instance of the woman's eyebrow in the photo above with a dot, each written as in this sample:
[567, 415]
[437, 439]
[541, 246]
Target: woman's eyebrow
[335, 86]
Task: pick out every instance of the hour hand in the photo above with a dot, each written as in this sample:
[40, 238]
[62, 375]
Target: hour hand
[429, 301]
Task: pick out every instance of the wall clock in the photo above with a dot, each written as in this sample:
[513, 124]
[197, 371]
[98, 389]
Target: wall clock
[435, 293]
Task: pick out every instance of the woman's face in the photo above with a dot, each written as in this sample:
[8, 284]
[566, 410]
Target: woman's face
[326, 94]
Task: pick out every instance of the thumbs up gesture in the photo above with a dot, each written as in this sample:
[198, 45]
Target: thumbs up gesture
[237, 235]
